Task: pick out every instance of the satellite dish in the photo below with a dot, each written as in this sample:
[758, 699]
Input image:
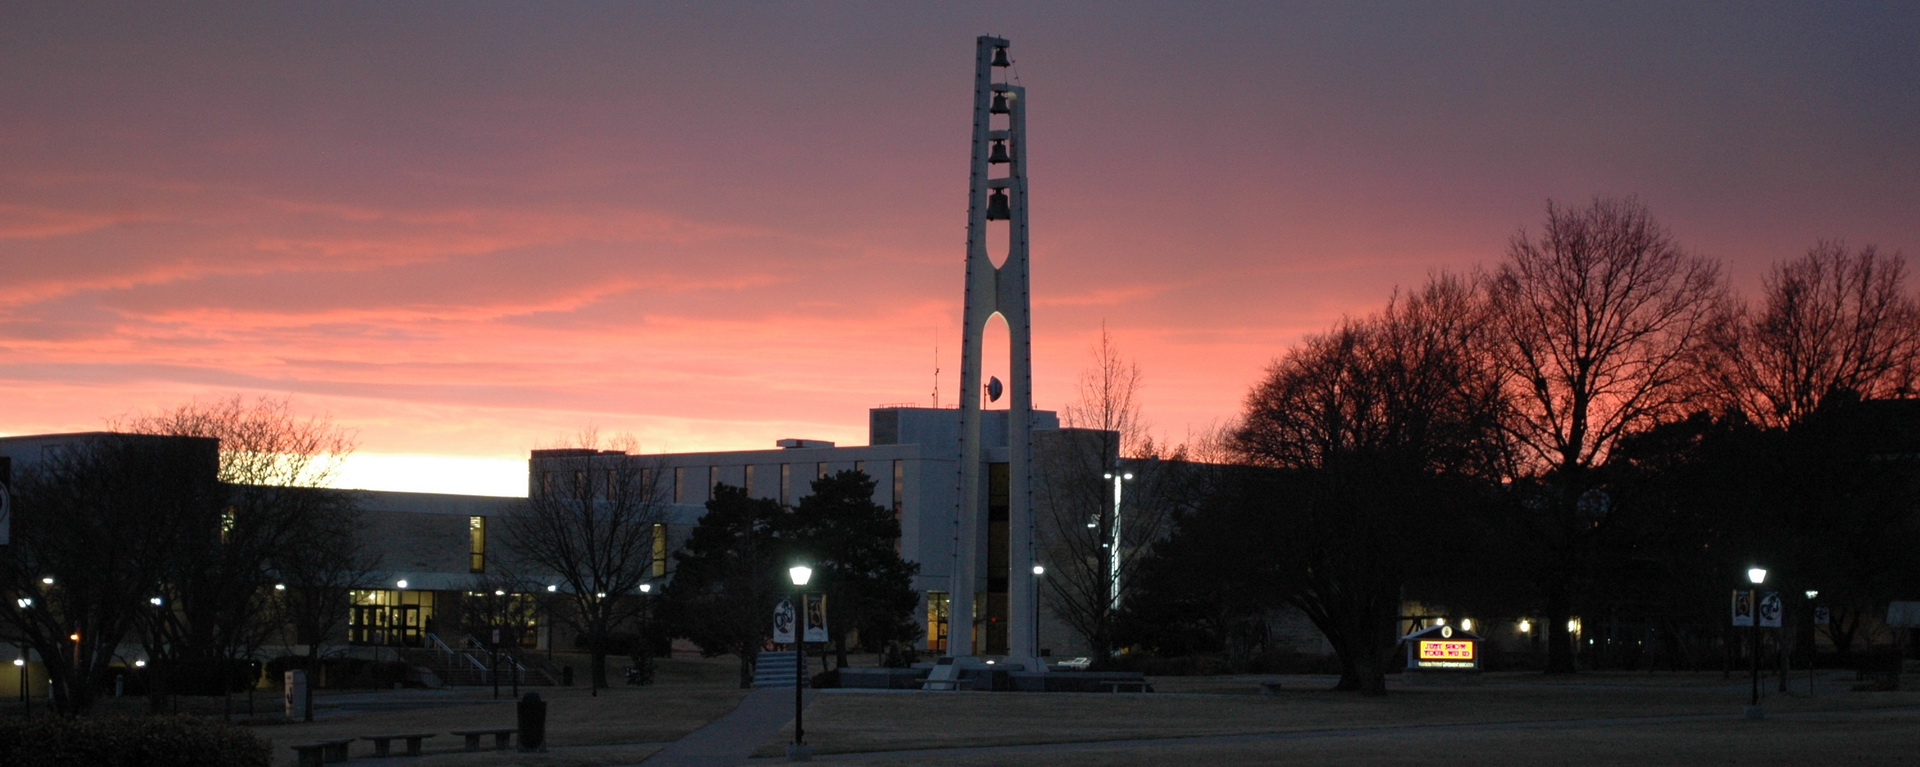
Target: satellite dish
[993, 389]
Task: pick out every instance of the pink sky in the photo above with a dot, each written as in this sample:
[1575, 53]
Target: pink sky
[466, 230]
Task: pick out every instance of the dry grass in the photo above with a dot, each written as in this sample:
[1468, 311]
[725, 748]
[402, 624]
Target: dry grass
[1218, 706]
[622, 725]
[1663, 719]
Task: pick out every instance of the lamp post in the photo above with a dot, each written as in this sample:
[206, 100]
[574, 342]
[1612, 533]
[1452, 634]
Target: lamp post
[26, 700]
[1113, 542]
[1038, 570]
[800, 574]
[1813, 639]
[547, 607]
[1757, 575]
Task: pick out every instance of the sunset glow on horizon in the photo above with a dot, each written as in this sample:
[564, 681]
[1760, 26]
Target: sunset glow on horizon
[466, 231]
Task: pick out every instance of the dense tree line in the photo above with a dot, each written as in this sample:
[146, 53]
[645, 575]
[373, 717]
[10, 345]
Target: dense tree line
[1594, 426]
[733, 569]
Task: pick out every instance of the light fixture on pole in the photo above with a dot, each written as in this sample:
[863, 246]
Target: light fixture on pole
[799, 752]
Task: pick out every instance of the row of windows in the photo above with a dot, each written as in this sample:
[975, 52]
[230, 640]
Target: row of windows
[683, 491]
[477, 547]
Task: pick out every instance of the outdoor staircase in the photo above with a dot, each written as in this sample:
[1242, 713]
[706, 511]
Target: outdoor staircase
[773, 669]
[470, 664]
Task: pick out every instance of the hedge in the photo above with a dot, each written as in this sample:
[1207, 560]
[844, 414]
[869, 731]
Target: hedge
[164, 741]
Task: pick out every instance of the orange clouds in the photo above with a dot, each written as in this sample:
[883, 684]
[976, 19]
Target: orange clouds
[473, 232]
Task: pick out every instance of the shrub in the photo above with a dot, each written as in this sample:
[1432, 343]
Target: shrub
[167, 741]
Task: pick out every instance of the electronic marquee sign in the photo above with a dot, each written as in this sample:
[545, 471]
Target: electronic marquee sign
[1442, 648]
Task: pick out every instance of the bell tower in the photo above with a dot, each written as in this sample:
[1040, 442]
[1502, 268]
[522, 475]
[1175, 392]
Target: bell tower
[997, 196]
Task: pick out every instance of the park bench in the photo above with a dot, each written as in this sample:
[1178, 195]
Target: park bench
[321, 752]
[502, 737]
[1270, 687]
[1137, 685]
[412, 738]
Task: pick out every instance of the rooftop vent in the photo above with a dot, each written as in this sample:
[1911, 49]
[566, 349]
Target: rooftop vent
[791, 444]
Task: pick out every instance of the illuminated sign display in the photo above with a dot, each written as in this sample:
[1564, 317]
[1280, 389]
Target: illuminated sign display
[1446, 650]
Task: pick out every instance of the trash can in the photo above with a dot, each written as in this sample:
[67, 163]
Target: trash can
[533, 723]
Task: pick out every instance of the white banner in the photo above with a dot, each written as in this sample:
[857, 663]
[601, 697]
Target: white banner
[1742, 607]
[816, 626]
[1770, 609]
[783, 622]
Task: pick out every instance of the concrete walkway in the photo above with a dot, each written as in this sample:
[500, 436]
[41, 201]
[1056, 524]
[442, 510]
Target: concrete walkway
[731, 739]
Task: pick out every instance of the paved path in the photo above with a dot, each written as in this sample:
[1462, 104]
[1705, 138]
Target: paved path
[731, 739]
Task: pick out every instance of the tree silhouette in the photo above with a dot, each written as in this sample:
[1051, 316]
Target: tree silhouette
[724, 584]
[1385, 429]
[851, 544]
[591, 522]
[1600, 324]
[1833, 320]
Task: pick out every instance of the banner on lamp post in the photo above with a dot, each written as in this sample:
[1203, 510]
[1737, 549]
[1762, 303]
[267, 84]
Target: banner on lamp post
[1742, 607]
[783, 622]
[1769, 609]
[816, 625]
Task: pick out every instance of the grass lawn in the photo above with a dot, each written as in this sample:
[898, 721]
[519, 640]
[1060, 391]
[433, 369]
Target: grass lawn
[1517, 718]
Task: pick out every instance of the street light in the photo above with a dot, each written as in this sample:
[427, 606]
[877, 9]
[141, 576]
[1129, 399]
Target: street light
[1113, 542]
[1757, 575]
[1038, 570]
[800, 574]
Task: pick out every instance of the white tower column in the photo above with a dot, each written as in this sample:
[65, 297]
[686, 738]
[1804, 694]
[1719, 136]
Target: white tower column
[994, 290]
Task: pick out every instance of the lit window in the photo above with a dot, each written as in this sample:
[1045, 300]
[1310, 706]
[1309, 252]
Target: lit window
[899, 486]
[937, 620]
[477, 544]
[659, 550]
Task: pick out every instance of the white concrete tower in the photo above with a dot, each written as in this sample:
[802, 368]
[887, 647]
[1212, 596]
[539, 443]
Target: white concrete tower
[999, 142]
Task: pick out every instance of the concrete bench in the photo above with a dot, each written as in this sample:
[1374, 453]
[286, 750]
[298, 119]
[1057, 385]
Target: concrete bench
[502, 737]
[1270, 687]
[321, 752]
[1137, 685]
[945, 684]
[412, 738]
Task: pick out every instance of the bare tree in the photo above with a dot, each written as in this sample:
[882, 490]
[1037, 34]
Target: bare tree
[318, 576]
[1090, 538]
[1380, 425]
[592, 526]
[1601, 324]
[218, 598]
[1830, 321]
[97, 529]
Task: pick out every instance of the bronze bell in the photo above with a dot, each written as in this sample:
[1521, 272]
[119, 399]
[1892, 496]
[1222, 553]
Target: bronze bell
[999, 104]
[997, 209]
[1000, 58]
[999, 154]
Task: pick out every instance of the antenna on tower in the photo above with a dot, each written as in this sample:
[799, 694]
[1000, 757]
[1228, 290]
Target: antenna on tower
[936, 367]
